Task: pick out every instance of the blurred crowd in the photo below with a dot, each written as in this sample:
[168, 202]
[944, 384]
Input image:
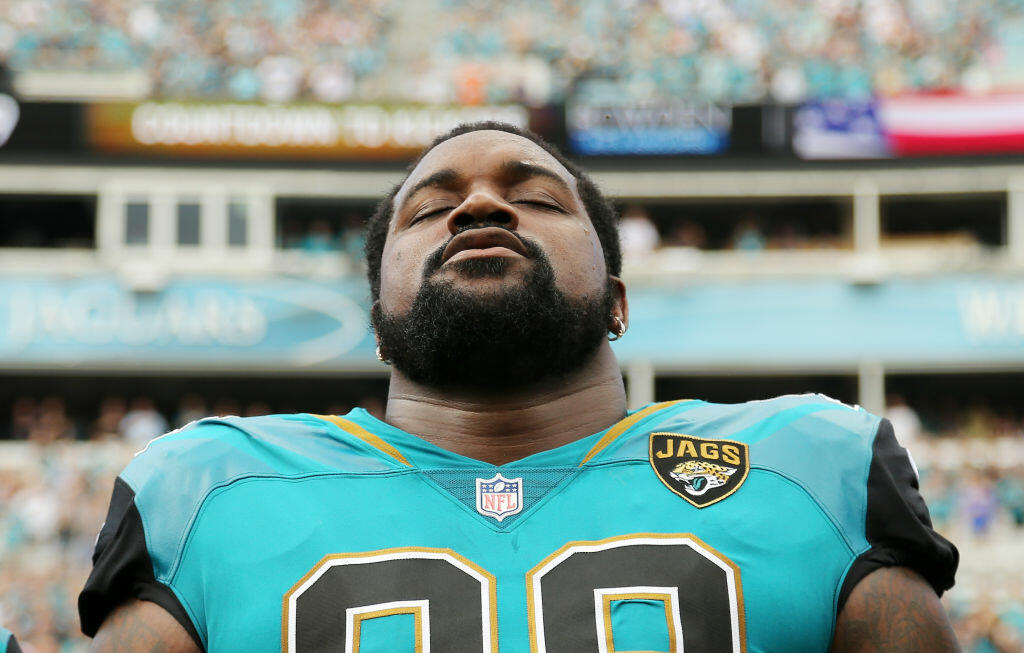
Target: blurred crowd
[475, 51]
[741, 230]
[46, 420]
[320, 233]
[661, 235]
[971, 464]
[46, 539]
[973, 481]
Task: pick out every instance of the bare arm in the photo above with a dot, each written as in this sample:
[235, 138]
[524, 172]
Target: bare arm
[142, 627]
[893, 609]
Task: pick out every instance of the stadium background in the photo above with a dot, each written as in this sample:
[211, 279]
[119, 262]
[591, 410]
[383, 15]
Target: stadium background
[817, 197]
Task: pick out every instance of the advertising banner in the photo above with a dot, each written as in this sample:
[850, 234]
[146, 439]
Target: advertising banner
[291, 324]
[952, 322]
[268, 131]
[655, 128]
[839, 130]
[913, 125]
[278, 323]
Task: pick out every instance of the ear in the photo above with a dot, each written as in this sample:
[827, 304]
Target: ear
[620, 307]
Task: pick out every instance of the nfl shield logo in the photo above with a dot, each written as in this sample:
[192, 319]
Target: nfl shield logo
[499, 497]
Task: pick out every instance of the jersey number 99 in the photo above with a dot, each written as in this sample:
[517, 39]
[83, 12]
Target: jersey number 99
[572, 595]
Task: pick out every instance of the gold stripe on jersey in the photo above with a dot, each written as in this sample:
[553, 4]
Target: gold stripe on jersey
[374, 441]
[668, 602]
[617, 430]
[415, 610]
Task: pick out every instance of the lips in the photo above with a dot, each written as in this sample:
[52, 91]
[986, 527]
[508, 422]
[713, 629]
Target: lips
[483, 238]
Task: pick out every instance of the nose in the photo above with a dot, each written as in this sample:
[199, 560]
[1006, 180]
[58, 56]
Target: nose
[482, 206]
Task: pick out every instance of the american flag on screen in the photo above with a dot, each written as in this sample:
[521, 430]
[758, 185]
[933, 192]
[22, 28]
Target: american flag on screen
[926, 125]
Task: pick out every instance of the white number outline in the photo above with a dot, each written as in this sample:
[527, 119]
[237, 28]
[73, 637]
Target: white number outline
[488, 589]
[534, 595]
[535, 600]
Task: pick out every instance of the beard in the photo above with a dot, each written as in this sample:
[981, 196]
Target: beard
[515, 337]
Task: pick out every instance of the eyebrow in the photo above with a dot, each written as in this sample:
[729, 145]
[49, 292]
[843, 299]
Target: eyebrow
[514, 171]
[522, 170]
[443, 178]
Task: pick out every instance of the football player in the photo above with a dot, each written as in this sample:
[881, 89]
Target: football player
[508, 501]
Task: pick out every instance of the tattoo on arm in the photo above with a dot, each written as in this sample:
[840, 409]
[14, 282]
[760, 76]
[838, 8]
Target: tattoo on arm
[893, 609]
[142, 627]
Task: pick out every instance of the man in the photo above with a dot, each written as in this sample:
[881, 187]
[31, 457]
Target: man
[508, 501]
[8, 643]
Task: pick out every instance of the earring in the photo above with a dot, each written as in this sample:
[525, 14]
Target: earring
[620, 329]
[380, 356]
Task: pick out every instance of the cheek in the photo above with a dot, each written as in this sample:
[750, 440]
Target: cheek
[578, 261]
[399, 279]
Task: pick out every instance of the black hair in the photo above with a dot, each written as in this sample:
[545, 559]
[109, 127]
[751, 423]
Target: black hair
[599, 209]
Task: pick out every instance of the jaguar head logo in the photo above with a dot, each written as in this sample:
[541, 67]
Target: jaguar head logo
[701, 470]
[698, 476]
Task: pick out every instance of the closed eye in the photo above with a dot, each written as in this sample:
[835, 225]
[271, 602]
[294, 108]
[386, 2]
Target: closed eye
[548, 205]
[430, 213]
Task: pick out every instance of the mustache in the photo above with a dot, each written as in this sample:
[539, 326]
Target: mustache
[434, 261]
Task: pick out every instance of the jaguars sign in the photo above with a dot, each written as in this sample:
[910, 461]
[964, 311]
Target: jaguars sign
[701, 470]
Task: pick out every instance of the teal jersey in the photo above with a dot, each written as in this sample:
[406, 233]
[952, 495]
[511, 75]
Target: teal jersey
[8, 644]
[714, 527]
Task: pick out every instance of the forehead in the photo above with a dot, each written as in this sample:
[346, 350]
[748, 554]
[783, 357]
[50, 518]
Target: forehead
[481, 153]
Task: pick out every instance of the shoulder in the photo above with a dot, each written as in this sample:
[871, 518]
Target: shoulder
[217, 450]
[810, 439]
[787, 425]
[843, 458]
[169, 480]
[203, 454]
[822, 447]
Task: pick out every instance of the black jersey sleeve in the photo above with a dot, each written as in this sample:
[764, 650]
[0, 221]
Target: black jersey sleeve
[122, 568]
[898, 526]
[12, 645]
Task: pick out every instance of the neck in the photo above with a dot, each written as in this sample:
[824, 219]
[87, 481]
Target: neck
[500, 427]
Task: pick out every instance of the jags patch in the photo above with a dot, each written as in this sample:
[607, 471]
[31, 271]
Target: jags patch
[701, 470]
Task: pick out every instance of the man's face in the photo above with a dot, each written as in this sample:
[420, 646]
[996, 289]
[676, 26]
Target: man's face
[488, 176]
[492, 272]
